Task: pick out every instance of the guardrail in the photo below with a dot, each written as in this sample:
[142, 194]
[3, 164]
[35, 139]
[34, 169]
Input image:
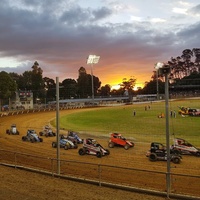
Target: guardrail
[17, 112]
[106, 175]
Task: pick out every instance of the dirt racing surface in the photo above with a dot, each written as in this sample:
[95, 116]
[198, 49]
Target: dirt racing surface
[19, 184]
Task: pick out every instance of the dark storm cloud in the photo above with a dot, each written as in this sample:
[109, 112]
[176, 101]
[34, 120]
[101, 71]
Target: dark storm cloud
[195, 10]
[61, 34]
[77, 15]
[101, 13]
[191, 35]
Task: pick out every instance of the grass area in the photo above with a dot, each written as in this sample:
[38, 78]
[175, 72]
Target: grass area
[145, 126]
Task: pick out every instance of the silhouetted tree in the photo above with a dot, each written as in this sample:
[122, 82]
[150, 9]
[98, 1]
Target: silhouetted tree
[7, 86]
[151, 87]
[84, 83]
[69, 89]
[127, 85]
[105, 90]
[183, 65]
[49, 88]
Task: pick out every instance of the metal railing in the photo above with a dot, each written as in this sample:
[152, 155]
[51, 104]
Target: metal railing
[154, 182]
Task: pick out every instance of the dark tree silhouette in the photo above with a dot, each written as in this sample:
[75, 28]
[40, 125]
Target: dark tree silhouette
[84, 83]
[183, 65]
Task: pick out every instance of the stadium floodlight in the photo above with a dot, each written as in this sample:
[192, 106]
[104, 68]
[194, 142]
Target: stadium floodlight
[159, 65]
[92, 59]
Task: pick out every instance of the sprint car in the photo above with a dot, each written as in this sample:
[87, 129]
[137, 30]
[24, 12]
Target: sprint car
[158, 152]
[92, 147]
[117, 139]
[13, 130]
[32, 136]
[183, 147]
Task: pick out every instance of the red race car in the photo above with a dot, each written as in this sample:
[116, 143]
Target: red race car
[117, 139]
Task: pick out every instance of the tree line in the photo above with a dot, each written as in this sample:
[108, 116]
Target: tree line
[184, 71]
[44, 88]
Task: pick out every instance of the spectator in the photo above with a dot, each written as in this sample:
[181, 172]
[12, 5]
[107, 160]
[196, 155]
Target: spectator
[171, 113]
[174, 114]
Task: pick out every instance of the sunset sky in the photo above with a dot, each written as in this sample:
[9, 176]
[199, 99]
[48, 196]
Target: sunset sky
[130, 36]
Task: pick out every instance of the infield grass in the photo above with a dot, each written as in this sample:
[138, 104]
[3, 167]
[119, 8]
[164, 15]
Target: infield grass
[145, 126]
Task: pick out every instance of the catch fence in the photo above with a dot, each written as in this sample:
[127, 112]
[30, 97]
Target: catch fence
[183, 186]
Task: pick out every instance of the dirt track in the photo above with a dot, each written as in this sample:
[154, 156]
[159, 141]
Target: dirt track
[133, 158]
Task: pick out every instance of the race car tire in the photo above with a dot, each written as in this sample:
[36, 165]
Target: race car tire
[23, 138]
[153, 157]
[99, 154]
[54, 144]
[111, 144]
[66, 147]
[32, 140]
[127, 146]
[81, 152]
[198, 154]
[176, 160]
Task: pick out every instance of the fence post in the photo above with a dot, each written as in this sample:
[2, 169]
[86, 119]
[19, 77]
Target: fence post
[15, 160]
[99, 172]
[52, 167]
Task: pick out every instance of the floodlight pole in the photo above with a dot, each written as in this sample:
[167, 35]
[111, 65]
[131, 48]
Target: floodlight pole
[92, 83]
[163, 69]
[57, 125]
[157, 88]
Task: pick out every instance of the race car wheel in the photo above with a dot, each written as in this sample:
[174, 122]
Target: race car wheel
[54, 145]
[66, 147]
[81, 152]
[99, 155]
[198, 153]
[41, 139]
[111, 144]
[40, 133]
[126, 146]
[176, 160]
[23, 138]
[32, 140]
[153, 157]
